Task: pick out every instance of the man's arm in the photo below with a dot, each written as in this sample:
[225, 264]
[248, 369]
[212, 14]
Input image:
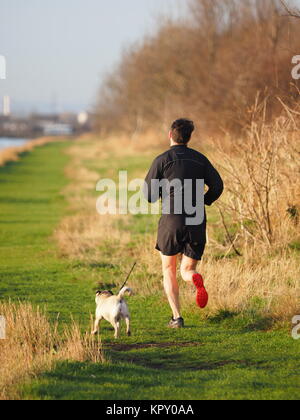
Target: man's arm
[155, 173]
[215, 184]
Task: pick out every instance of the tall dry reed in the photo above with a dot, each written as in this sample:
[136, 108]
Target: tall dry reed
[33, 345]
[261, 174]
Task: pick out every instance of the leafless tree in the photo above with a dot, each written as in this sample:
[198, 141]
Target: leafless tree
[208, 66]
[291, 12]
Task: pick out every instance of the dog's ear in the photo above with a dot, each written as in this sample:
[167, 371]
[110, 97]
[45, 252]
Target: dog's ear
[98, 293]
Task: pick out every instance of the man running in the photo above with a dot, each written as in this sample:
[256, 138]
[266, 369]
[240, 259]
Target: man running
[175, 177]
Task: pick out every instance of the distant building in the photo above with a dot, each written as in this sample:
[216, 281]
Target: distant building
[39, 125]
[56, 129]
[6, 106]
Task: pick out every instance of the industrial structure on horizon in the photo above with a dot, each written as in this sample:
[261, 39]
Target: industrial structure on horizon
[38, 125]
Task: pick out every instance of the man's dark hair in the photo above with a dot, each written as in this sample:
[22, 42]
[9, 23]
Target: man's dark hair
[182, 130]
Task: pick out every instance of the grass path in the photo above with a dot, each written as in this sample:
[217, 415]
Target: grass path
[32, 205]
[229, 357]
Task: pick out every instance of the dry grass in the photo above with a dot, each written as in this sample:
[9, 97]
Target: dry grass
[32, 345]
[263, 193]
[81, 347]
[80, 235]
[12, 154]
[269, 286]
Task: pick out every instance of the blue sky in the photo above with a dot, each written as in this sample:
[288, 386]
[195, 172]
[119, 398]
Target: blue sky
[58, 51]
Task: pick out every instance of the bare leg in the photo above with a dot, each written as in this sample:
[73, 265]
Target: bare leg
[190, 275]
[171, 284]
[188, 268]
[96, 328]
[127, 320]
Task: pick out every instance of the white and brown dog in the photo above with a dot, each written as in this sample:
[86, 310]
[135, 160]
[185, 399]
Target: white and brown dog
[113, 309]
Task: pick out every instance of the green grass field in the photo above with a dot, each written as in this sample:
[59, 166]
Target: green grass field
[226, 357]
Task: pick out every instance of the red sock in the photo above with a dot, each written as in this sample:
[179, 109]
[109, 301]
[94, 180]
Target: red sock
[202, 296]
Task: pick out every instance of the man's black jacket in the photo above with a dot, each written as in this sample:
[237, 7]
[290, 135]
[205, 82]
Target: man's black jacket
[183, 163]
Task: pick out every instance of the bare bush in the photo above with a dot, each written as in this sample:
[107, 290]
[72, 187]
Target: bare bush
[261, 172]
[291, 11]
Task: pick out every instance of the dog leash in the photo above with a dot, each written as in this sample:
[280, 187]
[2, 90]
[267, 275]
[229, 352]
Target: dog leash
[133, 267]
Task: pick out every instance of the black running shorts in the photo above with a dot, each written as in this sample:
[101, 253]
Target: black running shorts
[174, 237]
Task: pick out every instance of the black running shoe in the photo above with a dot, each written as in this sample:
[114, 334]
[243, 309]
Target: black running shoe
[176, 323]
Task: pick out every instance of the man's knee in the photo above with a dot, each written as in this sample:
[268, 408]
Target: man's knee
[184, 268]
[187, 268]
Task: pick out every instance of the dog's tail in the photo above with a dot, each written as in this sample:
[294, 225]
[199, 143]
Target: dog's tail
[123, 291]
